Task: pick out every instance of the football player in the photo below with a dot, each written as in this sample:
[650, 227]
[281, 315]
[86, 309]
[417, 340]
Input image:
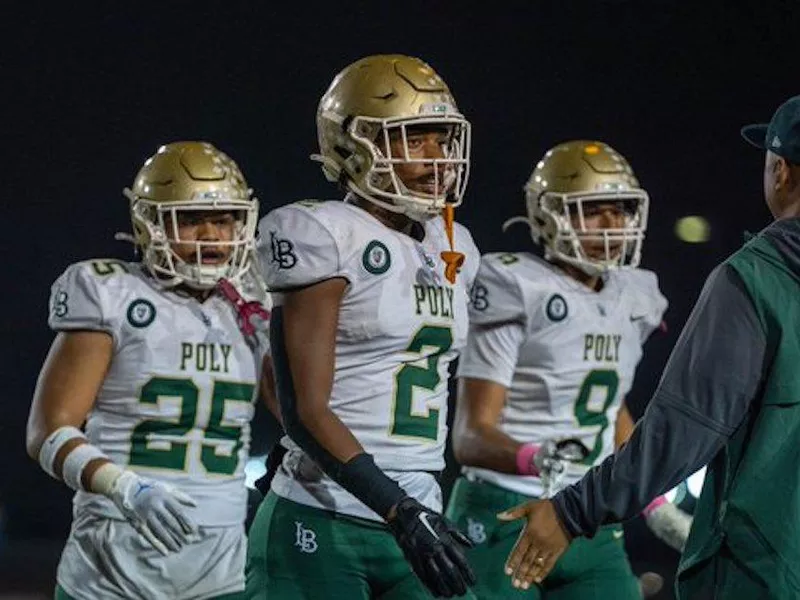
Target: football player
[553, 347]
[371, 307]
[162, 363]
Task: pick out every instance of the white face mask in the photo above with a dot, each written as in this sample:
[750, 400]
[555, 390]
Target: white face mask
[382, 185]
[550, 222]
[168, 267]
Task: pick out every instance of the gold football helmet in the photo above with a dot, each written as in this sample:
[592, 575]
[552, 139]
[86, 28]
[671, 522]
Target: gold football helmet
[568, 177]
[190, 176]
[382, 96]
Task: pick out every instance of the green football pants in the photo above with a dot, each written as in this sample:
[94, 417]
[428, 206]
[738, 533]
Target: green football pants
[590, 569]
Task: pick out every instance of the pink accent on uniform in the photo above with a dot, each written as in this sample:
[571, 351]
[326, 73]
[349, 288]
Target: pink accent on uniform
[245, 310]
[648, 510]
[525, 456]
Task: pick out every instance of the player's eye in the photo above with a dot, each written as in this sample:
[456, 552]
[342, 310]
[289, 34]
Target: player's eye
[415, 142]
[199, 217]
[222, 219]
[591, 211]
[190, 219]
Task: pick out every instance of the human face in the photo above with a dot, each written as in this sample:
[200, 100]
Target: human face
[418, 172]
[202, 236]
[598, 216]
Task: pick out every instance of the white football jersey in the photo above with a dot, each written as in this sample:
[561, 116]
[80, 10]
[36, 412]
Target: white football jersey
[567, 354]
[177, 400]
[401, 323]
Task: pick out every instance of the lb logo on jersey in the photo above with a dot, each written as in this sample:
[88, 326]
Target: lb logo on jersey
[60, 308]
[141, 313]
[557, 308]
[478, 295]
[282, 252]
[376, 258]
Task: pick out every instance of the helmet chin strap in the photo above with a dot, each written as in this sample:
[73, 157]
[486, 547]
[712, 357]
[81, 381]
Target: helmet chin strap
[195, 277]
[452, 259]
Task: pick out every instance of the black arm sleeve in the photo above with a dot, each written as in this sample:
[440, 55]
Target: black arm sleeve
[704, 395]
[360, 475]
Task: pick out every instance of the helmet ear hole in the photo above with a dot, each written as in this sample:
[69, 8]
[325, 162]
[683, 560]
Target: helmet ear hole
[367, 130]
[545, 228]
[540, 222]
[377, 180]
[343, 152]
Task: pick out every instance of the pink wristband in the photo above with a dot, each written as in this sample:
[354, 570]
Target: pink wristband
[648, 510]
[525, 456]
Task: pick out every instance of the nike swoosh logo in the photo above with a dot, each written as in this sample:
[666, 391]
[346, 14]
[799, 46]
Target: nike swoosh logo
[637, 317]
[617, 534]
[424, 518]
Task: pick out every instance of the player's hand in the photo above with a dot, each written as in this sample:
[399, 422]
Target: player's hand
[433, 546]
[156, 510]
[552, 459]
[541, 542]
[670, 524]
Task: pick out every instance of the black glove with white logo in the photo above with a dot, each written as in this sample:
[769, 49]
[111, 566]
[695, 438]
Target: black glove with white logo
[433, 546]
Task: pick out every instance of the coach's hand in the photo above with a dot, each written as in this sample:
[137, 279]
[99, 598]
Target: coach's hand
[433, 546]
[540, 544]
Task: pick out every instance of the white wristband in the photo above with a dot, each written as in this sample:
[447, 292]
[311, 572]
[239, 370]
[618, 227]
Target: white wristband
[53, 443]
[76, 462]
[104, 478]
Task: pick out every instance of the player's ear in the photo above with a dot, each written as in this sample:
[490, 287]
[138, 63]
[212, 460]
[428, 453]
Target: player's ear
[793, 176]
[778, 168]
[782, 172]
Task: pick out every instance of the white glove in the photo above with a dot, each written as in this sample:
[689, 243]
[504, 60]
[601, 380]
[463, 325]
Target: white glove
[670, 524]
[551, 462]
[156, 510]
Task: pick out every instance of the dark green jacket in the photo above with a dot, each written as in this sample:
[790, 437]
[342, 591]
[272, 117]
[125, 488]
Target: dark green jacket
[730, 398]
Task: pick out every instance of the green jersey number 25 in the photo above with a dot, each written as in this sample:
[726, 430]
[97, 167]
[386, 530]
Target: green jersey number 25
[162, 443]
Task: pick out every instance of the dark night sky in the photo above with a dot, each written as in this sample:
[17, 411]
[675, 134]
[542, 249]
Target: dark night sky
[93, 93]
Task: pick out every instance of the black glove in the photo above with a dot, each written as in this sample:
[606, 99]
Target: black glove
[433, 547]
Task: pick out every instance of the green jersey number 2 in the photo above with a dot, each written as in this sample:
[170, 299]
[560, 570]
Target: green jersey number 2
[171, 453]
[597, 392]
[405, 422]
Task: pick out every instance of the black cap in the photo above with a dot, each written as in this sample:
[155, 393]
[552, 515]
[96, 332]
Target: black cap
[782, 134]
